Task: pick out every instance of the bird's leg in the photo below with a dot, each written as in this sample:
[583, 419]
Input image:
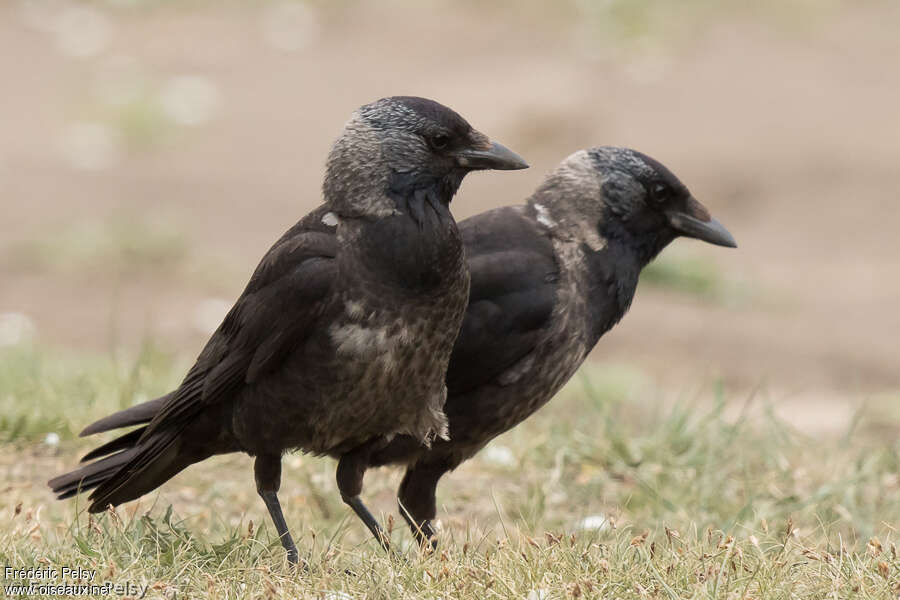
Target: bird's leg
[416, 498]
[422, 530]
[350, 470]
[267, 472]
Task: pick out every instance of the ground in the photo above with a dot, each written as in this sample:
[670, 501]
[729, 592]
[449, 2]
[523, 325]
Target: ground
[617, 494]
[151, 152]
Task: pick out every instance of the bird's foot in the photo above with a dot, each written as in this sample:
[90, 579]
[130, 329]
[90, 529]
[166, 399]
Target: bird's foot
[423, 532]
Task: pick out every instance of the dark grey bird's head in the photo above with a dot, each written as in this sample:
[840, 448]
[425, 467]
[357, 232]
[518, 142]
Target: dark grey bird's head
[608, 193]
[397, 146]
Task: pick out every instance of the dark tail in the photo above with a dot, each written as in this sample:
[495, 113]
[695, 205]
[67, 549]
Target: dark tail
[90, 476]
[132, 466]
[136, 415]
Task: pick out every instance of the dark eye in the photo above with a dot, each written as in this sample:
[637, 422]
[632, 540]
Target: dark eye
[440, 141]
[659, 192]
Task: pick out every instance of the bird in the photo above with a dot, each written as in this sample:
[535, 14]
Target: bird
[549, 279]
[340, 340]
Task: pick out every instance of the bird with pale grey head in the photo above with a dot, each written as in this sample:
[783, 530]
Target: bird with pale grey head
[549, 278]
[341, 339]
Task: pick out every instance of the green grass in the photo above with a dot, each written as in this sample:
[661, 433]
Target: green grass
[129, 244]
[42, 393]
[686, 274]
[697, 276]
[710, 497]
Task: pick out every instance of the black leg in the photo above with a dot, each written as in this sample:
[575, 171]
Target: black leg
[267, 471]
[350, 471]
[422, 530]
[363, 513]
[416, 498]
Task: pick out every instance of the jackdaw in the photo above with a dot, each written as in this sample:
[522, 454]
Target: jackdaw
[342, 337]
[549, 278]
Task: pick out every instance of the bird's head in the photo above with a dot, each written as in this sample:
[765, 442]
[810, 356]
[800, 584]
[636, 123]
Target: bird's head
[608, 193]
[398, 145]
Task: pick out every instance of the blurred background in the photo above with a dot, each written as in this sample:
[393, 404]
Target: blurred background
[151, 151]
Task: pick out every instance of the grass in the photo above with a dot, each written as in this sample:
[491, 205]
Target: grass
[616, 490]
[121, 245]
[128, 246]
[686, 274]
[697, 276]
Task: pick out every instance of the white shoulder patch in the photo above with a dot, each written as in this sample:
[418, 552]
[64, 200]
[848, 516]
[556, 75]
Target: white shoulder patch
[543, 216]
[330, 219]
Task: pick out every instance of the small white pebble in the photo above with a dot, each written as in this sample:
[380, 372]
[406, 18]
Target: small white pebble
[594, 523]
[557, 497]
[499, 455]
[537, 595]
[335, 595]
[15, 328]
[52, 439]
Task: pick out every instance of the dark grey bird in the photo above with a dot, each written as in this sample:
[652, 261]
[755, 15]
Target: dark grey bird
[549, 278]
[342, 337]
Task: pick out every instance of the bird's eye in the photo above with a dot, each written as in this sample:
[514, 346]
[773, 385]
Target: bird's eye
[659, 192]
[440, 141]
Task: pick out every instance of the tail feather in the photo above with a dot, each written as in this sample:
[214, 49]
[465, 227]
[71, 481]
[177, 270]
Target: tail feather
[155, 461]
[89, 476]
[128, 466]
[127, 474]
[139, 414]
[129, 440]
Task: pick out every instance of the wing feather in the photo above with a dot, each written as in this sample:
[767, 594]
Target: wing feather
[511, 298]
[276, 312]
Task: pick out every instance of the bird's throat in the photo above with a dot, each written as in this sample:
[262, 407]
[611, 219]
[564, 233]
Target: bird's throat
[418, 248]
